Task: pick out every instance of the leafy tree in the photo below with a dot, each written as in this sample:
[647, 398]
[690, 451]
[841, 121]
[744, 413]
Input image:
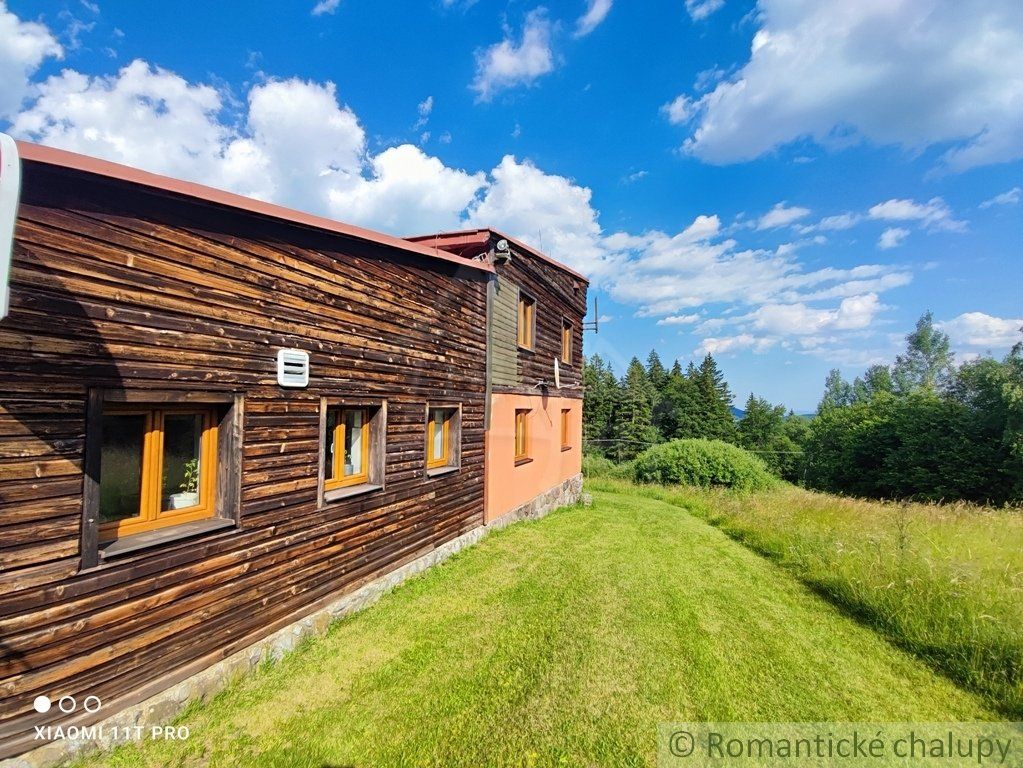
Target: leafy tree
[927, 362]
[796, 430]
[838, 393]
[633, 422]
[924, 428]
[877, 378]
[1012, 396]
[919, 445]
[991, 391]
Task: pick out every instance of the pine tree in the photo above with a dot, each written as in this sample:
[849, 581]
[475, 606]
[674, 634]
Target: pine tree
[599, 403]
[677, 413]
[634, 430]
[656, 372]
[775, 437]
[714, 401]
[760, 424]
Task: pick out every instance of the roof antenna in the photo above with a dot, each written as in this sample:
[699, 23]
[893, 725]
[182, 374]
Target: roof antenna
[594, 324]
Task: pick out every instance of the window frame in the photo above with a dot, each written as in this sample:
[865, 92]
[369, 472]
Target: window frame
[432, 462]
[522, 416]
[566, 422]
[151, 516]
[340, 480]
[451, 459]
[224, 479]
[526, 322]
[374, 426]
[567, 341]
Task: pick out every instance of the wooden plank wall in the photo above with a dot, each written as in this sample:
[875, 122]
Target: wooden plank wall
[558, 295]
[504, 346]
[118, 287]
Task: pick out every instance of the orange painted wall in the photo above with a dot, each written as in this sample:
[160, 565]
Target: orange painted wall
[509, 486]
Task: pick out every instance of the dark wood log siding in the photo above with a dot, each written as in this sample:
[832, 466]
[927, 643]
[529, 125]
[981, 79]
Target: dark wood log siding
[559, 296]
[122, 288]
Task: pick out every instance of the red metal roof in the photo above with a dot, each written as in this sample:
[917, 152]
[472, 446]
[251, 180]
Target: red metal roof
[59, 157]
[466, 238]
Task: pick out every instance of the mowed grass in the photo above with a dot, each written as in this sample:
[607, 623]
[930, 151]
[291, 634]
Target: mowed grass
[943, 581]
[563, 642]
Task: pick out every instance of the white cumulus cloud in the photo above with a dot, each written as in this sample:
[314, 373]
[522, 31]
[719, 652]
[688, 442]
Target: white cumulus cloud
[853, 313]
[508, 64]
[726, 345]
[679, 319]
[892, 238]
[680, 110]
[546, 211]
[24, 45]
[934, 214]
[781, 216]
[979, 331]
[910, 73]
[408, 192]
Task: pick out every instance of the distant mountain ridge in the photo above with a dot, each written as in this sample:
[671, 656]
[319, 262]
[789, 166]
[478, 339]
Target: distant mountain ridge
[738, 413]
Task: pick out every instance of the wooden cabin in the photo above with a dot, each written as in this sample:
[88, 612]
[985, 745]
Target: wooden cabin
[535, 308]
[219, 416]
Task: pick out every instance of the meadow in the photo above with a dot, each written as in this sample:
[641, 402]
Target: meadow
[942, 581]
[564, 642]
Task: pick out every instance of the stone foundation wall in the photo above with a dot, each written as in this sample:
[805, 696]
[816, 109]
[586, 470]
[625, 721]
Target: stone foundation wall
[161, 709]
[561, 495]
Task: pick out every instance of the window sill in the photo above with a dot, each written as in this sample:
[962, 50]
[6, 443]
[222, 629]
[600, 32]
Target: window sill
[566, 448]
[530, 350]
[440, 471]
[338, 494]
[138, 541]
[520, 462]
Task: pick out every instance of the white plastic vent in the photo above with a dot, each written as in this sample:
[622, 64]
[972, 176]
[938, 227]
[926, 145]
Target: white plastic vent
[292, 368]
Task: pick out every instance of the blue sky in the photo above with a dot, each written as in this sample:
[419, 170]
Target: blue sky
[787, 184]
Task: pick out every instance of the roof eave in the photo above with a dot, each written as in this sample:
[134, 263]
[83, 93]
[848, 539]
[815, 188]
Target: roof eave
[477, 236]
[64, 159]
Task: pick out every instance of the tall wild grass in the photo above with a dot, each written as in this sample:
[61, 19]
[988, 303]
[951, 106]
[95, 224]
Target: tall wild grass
[944, 582]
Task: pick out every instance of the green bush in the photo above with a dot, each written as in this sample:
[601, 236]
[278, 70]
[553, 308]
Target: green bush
[703, 463]
[595, 465]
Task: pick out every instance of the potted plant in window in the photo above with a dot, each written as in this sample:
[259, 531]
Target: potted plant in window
[189, 495]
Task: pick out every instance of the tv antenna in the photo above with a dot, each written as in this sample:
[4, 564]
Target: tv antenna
[594, 324]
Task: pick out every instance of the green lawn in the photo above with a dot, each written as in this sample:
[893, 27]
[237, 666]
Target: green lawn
[564, 642]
